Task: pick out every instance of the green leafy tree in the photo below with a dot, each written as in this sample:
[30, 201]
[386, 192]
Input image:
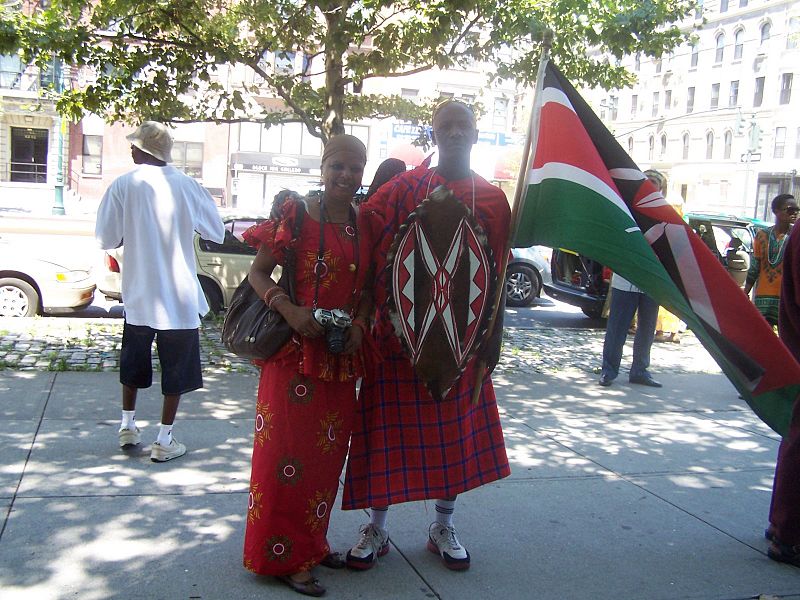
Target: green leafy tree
[168, 59]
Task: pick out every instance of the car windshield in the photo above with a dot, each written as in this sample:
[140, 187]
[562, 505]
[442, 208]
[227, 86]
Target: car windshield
[724, 235]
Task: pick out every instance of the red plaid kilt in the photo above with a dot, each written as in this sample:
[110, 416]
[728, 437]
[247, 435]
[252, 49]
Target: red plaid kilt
[406, 446]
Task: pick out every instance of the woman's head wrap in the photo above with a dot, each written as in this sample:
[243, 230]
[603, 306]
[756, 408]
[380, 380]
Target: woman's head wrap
[344, 143]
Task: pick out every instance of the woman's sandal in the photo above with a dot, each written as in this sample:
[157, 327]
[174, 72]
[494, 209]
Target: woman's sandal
[309, 587]
[334, 560]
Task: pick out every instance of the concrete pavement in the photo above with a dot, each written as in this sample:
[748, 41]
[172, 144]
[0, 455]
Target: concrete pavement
[622, 492]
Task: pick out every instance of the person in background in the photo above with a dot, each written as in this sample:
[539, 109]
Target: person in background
[626, 299]
[279, 200]
[766, 267]
[783, 532]
[307, 390]
[668, 326]
[406, 446]
[386, 170]
[155, 210]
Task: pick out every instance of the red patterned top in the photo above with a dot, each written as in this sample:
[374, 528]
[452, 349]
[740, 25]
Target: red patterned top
[339, 285]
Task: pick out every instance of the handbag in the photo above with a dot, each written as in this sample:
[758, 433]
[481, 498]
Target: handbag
[250, 328]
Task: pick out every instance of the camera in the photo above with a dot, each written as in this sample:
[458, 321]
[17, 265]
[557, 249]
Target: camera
[335, 322]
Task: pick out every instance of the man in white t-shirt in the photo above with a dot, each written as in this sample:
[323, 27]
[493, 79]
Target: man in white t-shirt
[155, 210]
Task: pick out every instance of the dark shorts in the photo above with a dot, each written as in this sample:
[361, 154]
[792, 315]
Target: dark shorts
[178, 353]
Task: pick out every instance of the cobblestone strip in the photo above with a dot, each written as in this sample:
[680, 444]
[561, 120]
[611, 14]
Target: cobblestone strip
[71, 344]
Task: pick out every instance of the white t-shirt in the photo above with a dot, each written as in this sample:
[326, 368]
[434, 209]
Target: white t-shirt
[622, 284]
[155, 211]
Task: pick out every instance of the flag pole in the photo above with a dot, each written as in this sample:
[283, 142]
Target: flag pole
[528, 155]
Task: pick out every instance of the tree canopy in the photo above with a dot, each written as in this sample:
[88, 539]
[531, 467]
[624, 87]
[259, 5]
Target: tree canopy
[166, 59]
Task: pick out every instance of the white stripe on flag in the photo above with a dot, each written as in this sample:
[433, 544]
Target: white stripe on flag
[552, 94]
[626, 174]
[691, 277]
[555, 170]
[652, 200]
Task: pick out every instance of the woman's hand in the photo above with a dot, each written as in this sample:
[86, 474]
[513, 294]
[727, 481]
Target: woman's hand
[301, 319]
[355, 335]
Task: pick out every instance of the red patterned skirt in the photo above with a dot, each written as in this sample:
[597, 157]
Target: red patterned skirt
[301, 432]
[406, 446]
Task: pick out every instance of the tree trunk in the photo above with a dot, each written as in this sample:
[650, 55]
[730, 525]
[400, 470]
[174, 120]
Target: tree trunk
[333, 120]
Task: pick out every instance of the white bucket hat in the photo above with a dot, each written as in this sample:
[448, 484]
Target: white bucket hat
[154, 138]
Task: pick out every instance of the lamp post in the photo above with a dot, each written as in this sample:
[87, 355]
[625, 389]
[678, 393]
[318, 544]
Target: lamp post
[61, 131]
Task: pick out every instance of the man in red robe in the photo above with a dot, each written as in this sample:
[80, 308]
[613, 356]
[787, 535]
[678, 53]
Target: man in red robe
[405, 445]
[784, 515]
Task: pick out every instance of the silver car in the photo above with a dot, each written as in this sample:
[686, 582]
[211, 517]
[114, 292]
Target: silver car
[527, 272]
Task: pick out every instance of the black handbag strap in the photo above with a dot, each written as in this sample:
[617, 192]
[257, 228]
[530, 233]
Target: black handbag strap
[286, 280]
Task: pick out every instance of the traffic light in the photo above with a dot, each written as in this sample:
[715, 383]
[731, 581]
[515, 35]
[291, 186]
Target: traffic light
[739, 124]
[755, 138]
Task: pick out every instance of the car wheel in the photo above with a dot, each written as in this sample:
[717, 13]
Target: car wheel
[18, 298]
[522, 285]
[213, 295]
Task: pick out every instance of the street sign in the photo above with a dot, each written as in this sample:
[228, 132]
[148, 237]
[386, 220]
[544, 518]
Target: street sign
[750, 157]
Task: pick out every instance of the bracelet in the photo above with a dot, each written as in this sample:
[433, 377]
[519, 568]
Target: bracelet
[271, 293]
[274, 300]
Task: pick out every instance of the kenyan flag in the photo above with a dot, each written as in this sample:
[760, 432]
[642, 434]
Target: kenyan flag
[584, 193]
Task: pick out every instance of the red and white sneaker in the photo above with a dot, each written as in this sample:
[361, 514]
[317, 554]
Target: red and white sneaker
[373, 543]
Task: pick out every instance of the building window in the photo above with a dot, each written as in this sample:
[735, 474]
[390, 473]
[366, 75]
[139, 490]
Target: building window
[685, 150]
[654, 111]
[690, 100]
[723, 6]
[698, 10]
[634, 105]
[284, 63]
[92, 154]
[29, 154]
[786, 88]
[758, 96]
[728, 145]
[733, 97]
[500, 114]
[637, 64]
[695, 54]
[714, 95]
[188, 157]
[742, 3]
[658, 65]
[667, 99]
[630, 143]
[710, 145]
[651, 147]
[797, 144]
[408, 93]
[663, 148]
[720, 51]
[780, 142]
[793, 36]
[738, 44]
[765, 31]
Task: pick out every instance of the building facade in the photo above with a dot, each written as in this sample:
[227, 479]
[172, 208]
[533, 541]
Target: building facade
[718, 115]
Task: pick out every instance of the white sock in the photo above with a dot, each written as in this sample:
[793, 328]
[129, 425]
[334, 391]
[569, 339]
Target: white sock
[444, 512]
[128, 419]
[164, 435]
[378, 516]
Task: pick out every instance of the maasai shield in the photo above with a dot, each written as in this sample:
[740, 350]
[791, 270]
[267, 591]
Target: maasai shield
[442, 284]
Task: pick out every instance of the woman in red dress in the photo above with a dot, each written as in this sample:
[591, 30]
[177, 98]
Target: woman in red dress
[306, 394]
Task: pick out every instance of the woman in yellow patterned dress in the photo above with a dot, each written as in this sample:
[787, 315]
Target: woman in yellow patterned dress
[766, 268]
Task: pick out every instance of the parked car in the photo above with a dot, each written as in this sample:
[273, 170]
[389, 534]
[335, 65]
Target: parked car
[220, 267]
[33, 282]
[578, 281]
[527, 272]
[582, 282]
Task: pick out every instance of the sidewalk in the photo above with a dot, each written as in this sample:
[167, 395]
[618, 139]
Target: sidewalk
[622, 492]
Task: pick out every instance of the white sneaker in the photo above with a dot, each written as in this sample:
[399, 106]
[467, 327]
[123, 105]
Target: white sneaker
[129, 437]
[160, 453]
[442, 540]
[374, 542]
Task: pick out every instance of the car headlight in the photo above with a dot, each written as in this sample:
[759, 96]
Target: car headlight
[71, 276]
